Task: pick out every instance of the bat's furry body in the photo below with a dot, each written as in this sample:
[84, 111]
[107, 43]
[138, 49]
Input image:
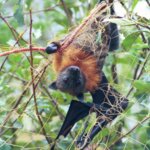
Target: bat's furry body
[79, 69]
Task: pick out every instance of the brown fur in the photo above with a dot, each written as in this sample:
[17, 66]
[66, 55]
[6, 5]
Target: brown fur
[85, 61]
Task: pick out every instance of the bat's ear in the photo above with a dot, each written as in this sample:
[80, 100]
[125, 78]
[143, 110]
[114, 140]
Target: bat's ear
[53, 86]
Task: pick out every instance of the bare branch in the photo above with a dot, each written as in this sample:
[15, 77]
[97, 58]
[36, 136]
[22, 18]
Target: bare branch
[13, 31]
[68, 14]
[100, 8]
[37, 11]
[19, 100]
[33, 85]
[148, 2]
[114, 73]
[42, 73]
[124, 135]
[22, 50]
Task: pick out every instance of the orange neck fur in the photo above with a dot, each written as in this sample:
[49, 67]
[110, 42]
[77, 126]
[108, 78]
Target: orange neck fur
[85, 61]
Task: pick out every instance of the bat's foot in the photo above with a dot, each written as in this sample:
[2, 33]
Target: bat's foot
[52, 48]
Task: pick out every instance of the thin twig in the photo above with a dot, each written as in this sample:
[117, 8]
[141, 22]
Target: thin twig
[124, 6]
[137, 69]
[100, 8]
[145, 26]
[124, 135]
[17, 42]
[3, 63]
[144, 64]
[42, 73]
[148, 2]
[146, 60]
[68, 14]
[54, 103]
[19, 100]
[15, 37]
[114, 73]
[14, 32]
[10, 27]
[32, 75]
[142, 34]
[14, 76]
[37, 11]
[22, 50]
[136, 76]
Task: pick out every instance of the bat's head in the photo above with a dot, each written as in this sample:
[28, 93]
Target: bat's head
[70, 80]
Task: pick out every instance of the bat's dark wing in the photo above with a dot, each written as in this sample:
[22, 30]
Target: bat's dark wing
[77, 111]
[109, 104]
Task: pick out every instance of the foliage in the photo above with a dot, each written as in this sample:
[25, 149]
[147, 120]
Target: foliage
[20, 126]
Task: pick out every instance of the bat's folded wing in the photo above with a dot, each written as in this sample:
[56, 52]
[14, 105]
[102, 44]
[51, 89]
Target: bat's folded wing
[77, 111]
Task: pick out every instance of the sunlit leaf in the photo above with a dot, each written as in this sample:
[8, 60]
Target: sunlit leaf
[130, 40]
[143, 86]
[134, 3]
[121, 21]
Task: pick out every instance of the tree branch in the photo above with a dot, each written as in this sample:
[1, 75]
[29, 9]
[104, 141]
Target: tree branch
[37, 11]
[124, 135]
[148, 2]
[100, 8]
[19, 100]
[68, 14]
[22, 50]
[33, 86]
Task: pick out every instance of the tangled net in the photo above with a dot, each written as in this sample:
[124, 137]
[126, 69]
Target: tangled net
[92, 34]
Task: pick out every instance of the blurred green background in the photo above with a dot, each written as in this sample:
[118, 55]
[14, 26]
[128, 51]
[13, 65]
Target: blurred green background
[52, 20]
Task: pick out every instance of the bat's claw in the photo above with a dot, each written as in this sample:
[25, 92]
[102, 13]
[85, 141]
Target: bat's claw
[82, 141]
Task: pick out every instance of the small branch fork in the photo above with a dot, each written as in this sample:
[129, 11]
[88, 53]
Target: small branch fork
[100, 8]
[14, 108]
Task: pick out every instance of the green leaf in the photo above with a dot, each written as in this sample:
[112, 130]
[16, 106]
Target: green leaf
[28, 2]
[120, 21]
[139, 46]
[4, 145]
[143, 86]
[134, 3]
[130, 40]
[126, 58]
